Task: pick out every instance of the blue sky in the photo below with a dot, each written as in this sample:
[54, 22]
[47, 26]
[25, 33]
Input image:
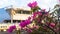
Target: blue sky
[45, 4]
[3, 15]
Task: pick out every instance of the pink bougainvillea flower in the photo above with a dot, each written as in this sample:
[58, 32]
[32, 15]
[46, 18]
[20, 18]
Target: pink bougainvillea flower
[30, 5]
[43, 12]
[11, 28]
[35, 14]
[32, 18]
[33, 4]
[22, 24]
[25, 23]
[39, 13]
[52, 24]
[29, 18]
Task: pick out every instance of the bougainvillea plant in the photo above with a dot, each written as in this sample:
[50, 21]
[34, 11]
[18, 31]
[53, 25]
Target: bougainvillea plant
[43, 22]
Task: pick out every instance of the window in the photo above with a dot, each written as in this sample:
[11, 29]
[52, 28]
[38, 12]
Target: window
[23, 12]
[26, 12]
[19, 12]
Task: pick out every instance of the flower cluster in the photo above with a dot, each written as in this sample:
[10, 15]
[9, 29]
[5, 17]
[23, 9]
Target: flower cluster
[24, 23]
[11, 28]
[32, 5]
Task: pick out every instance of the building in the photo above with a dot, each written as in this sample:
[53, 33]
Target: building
[18, 14]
